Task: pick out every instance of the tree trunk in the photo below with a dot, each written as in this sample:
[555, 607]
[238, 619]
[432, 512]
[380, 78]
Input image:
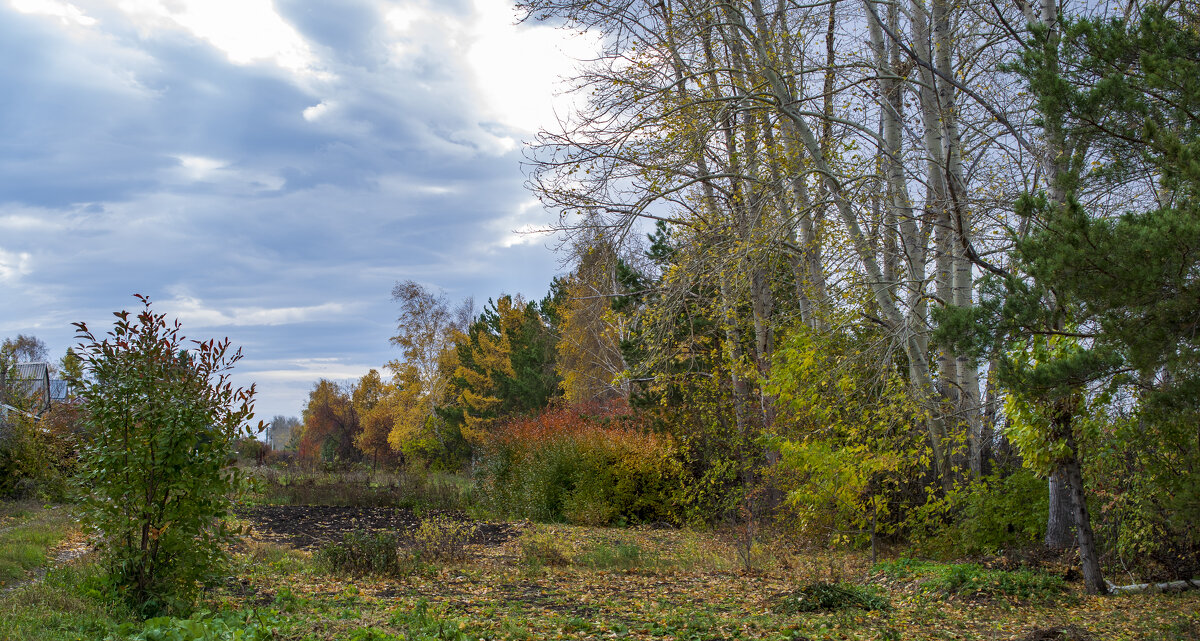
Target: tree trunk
[1089, 558]
[1069, 474]
[1059, 534]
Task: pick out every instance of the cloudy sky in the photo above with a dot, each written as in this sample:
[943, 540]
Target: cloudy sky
[267, 170]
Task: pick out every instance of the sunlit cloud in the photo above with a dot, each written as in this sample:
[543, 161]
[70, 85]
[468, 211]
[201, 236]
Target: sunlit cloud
[246, 31]
[14, 264]
[64, 11]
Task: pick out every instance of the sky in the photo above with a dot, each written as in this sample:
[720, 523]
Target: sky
[267, 171]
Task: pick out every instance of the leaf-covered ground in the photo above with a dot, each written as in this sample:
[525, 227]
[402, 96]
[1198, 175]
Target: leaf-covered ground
[574, 582]
[563, 582]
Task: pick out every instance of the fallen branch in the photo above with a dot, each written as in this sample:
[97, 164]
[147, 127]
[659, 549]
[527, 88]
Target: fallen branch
[1171, 586]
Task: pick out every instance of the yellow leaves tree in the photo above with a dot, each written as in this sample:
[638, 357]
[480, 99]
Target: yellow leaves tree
[589, 348]
[374, 401]
[428, 331]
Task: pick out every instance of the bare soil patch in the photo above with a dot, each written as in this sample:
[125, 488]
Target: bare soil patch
[311, 526]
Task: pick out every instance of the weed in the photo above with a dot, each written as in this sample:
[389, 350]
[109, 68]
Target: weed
[542, 549]
[425, 623]
[620, 556]
[969, 579]
[250, 625]
[826, 597]
[362, 552]
[441, 538]
[902, 568]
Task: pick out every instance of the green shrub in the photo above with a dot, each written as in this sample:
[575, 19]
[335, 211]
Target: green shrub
[157, 480]
[989, 516]
[825, 597]
[542, 549]
[568, 465]
[969, 579]
[442, 538]
[362, 552]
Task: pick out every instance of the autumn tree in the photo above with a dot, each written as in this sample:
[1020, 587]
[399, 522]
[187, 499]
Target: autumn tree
[505, 366]
[589, 359]
[331, 425]
[428, 329]
[374, 401]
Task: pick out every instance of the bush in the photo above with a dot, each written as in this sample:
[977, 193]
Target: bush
[362, 552]
[995, 514]
[825, 597]
[35, 462]
[542, 549]
[441, 538]
[589, 466]
[969, 579]
[157, 481]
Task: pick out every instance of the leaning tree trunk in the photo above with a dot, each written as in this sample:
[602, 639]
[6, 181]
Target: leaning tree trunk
[1069, 470]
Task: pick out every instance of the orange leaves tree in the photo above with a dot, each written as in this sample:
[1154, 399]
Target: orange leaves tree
[162, 418]
[330, 425]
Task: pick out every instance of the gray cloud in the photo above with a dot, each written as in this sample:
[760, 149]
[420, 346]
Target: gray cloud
[143, 160]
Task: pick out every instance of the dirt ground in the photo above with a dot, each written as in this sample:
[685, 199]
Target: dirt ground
[310, 526]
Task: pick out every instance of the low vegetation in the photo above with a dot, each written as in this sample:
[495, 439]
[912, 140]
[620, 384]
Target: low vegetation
[637, 583]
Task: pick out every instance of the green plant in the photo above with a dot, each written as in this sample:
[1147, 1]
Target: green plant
[969, 579]
[824, 597]
[995, 514]
[156, 479]
[425, 623]
[442, 538]
[362, 552]
[542, 549]
[250, 625]
[902, 568]
[621, 555]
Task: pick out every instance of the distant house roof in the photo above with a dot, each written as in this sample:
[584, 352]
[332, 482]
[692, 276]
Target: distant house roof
[32, 382]
[60, 390]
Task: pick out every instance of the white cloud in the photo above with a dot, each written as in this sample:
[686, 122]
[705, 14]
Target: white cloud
[520, 68]
[315, 112]
[246, 31]
[64, 11]
[27, 222]
[199, 167]
[192, 312]
[14, 264]
[522, 228]
[307, 370]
